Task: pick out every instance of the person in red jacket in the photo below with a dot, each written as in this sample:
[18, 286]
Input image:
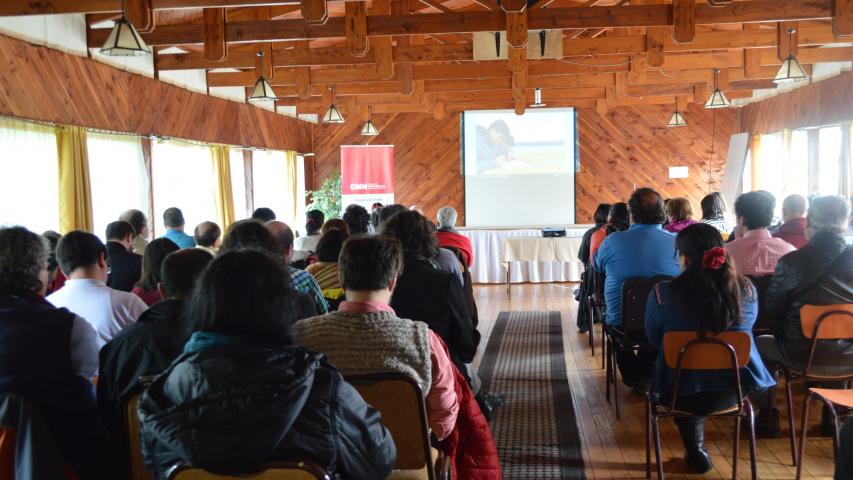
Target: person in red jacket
[793, 230]
[448, 236]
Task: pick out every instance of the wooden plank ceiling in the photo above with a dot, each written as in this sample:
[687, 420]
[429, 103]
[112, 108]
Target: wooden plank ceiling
[401, 56]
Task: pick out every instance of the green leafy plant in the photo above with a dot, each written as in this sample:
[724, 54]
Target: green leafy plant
[328, 198]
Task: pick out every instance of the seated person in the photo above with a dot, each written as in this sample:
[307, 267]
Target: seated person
[263, 214]
[301, 280]
[140, 225]
[679, 212]
[152, 261]
[48, 355]
[173, 220]
[709, 296]
[334, 224]
[308, 242]
[56, 279]
[644, 250]
[125, 266]
[428, 294]
[448, 236]
[253, 235]
[754, 251]
[366, 336]
[793, 230]
[585, 289]
[820, 273]
[618, 220]
[714, 213]
[207, 236]
[357, 219]
[325, 270]
[243, 393]
[147, 347]
[83, 258]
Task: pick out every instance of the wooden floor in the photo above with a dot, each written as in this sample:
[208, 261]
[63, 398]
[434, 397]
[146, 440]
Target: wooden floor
[616, 449]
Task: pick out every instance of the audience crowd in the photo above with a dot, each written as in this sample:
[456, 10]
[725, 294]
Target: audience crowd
[238, 345]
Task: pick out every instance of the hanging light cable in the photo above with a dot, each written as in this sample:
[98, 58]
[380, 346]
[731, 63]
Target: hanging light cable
[333, 115]
[263, 90]
[718, 98]
[369, 129]
[677, 120]
[790, 71]
[124, 40]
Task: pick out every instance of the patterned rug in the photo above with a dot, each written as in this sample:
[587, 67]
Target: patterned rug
[536, 429]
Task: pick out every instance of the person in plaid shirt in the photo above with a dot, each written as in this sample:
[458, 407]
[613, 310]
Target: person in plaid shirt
[755, 252]
[302, 281]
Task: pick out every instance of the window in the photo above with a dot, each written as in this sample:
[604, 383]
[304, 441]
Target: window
[829, 161]
[29, 184]
[300, 195]
[770, 168]
[117, 177]
[182, 176]
[273, 184]
[238, 183]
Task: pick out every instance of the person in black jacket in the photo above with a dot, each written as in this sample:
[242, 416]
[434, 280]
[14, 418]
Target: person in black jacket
[147, 347]
[243, 394]
[48, 354]
[125, 266]
[585, 288]
[428, 294]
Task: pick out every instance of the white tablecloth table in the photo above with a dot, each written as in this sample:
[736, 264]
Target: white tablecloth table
[532, 258]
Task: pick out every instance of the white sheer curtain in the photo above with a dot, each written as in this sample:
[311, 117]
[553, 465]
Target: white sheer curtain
[182, 176]
[29, 183]
[273, 185]
[118, 177]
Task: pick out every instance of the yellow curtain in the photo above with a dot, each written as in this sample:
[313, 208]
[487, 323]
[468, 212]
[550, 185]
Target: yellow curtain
[223, 196]
[75, 194]
[291, 182]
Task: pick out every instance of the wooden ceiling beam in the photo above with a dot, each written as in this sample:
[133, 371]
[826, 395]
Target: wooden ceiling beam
[215, 47]
[48, 7]
[356, 28]
[466, 22]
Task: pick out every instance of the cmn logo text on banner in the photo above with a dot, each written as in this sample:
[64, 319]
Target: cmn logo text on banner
[367, 175]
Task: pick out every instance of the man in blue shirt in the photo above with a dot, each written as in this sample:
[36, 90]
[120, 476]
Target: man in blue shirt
[644, 250]
[173, 219]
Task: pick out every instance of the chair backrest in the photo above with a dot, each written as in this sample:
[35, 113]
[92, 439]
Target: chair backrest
[689, 351]
[137, 467]
[764, 323]
[635, 293]
[597, 287]
[825, 322]
[399, 399]
[301, 470]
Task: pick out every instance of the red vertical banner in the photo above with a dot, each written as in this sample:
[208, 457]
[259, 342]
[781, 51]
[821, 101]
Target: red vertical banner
[367, 175]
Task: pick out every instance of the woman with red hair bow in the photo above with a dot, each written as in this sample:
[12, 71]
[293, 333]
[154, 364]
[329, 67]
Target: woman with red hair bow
[708, 297]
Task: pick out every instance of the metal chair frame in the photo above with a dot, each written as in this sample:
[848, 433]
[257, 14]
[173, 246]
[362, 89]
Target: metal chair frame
[744, 410]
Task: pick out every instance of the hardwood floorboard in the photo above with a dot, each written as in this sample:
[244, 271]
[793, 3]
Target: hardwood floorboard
[616, 449]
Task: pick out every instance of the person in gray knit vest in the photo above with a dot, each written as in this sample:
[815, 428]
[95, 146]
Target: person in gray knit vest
[366, 336]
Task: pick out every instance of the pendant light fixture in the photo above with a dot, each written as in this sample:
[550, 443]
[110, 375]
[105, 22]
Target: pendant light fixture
[124, 40]
[263, 90]
[677, 120]
[718, 98]
[537, 98]
[791, 71]
[369, 129]
[333, 115]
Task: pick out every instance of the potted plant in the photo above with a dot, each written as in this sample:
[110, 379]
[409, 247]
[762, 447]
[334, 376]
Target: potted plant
[327, 198]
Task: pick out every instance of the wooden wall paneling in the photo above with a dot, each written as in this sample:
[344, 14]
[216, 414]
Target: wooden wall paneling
[626, 147]
[43, 84]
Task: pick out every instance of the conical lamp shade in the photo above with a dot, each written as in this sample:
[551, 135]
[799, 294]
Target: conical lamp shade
[717, 100]
[124, 41]
[369, 129]
[790, 72]
[677, 120]
[333, 115]
[262, 91]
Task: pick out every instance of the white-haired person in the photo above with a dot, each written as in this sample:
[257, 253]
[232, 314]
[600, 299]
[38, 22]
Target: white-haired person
[449, 237]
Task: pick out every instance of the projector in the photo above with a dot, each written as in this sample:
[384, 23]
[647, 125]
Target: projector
[553, 232]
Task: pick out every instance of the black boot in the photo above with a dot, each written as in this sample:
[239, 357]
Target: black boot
[692, 432]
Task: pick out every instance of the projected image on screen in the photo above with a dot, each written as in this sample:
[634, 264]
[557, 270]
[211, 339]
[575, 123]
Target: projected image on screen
[519, 170]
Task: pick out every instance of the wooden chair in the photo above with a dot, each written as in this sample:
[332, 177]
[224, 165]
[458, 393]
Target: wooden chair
[137, 467]
[400, 401]
[687, 351]
[827, 322]
[764, 324]
[632, 333]
[596, 305]
[300, 470]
